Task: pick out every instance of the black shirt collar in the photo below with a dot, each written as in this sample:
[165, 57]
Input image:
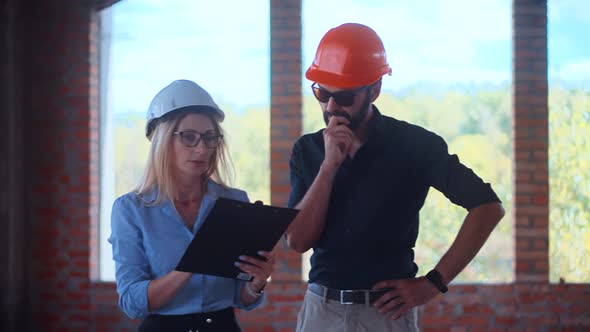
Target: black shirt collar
[376, 131]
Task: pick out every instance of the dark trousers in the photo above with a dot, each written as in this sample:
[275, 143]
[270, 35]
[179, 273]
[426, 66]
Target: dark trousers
[216, 321]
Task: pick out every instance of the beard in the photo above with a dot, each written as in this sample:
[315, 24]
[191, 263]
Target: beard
[355, 120]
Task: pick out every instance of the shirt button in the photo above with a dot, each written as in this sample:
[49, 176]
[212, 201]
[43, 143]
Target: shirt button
[209, 320]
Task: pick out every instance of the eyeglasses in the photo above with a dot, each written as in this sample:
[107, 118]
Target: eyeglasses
[191, 138]
[342, 98]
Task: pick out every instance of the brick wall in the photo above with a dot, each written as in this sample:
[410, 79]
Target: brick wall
[530, 136]
[61, 160]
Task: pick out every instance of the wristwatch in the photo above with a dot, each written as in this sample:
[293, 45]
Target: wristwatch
[253, 293]
[436, 279]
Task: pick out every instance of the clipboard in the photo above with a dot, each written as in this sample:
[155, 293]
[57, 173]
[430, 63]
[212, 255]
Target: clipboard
[231, 229]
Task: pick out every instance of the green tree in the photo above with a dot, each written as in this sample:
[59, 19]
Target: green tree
[248, 137]
[131, 150]
[569, 193]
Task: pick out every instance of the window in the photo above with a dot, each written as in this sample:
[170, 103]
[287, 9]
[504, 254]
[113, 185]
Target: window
[451, 79]
[569, 141]
[148, 44]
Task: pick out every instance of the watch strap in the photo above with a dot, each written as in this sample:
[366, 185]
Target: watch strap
[436, 279]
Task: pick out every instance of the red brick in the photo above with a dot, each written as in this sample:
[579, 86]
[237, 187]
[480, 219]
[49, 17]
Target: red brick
[506, 321]
[437, 321]
[478, 309]
[523, 244]
[472, 321]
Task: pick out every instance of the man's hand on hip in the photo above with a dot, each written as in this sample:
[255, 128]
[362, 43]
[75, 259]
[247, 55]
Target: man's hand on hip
[404, 295]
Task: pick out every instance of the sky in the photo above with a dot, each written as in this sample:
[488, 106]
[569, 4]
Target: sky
[223, 45]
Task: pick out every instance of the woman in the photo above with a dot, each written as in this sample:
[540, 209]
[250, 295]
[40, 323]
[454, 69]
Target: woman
[153, 225]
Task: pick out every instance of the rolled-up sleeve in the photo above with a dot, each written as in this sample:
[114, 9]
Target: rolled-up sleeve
[132, 270]
[448, 175]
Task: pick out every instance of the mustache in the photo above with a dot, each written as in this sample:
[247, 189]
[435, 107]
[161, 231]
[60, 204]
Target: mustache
[342, 114]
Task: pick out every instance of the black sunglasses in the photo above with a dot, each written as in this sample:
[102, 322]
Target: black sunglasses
[191, 138]
[342, 98]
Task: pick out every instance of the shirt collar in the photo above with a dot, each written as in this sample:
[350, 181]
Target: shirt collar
[376, 130]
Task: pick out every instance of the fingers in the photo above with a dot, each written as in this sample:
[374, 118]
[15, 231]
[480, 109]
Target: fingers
[336, 120]
[256, 262]
[338, 140]
[258, 268]
[385, 298]
[268, 255]
[340, 136]
[403, 296]
[343, 144]
[392, 304]
[400, 311]
[336, 126]
[260, 274]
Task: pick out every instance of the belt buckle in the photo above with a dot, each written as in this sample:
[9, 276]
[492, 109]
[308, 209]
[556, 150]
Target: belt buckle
[342, 296]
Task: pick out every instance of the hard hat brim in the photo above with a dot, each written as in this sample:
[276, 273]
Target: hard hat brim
[216, 113]
[343, 81]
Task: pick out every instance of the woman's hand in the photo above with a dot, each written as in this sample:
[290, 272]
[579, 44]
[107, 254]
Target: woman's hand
[260, 269]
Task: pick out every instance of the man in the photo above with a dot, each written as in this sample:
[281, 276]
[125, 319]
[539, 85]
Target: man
[360, 184]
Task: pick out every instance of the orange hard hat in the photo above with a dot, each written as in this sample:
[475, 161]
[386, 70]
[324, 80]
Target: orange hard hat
[348, 56]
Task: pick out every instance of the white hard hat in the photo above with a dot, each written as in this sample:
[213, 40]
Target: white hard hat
[178, 95]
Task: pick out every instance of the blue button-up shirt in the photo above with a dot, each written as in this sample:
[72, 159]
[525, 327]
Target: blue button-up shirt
[149, 240]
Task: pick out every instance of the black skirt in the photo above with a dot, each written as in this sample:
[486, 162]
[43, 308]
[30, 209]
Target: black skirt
[216, 321]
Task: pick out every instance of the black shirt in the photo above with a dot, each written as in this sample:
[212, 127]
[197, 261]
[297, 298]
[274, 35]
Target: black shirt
[372, 218]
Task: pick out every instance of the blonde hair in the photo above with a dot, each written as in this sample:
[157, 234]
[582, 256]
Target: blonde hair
[160, 171]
